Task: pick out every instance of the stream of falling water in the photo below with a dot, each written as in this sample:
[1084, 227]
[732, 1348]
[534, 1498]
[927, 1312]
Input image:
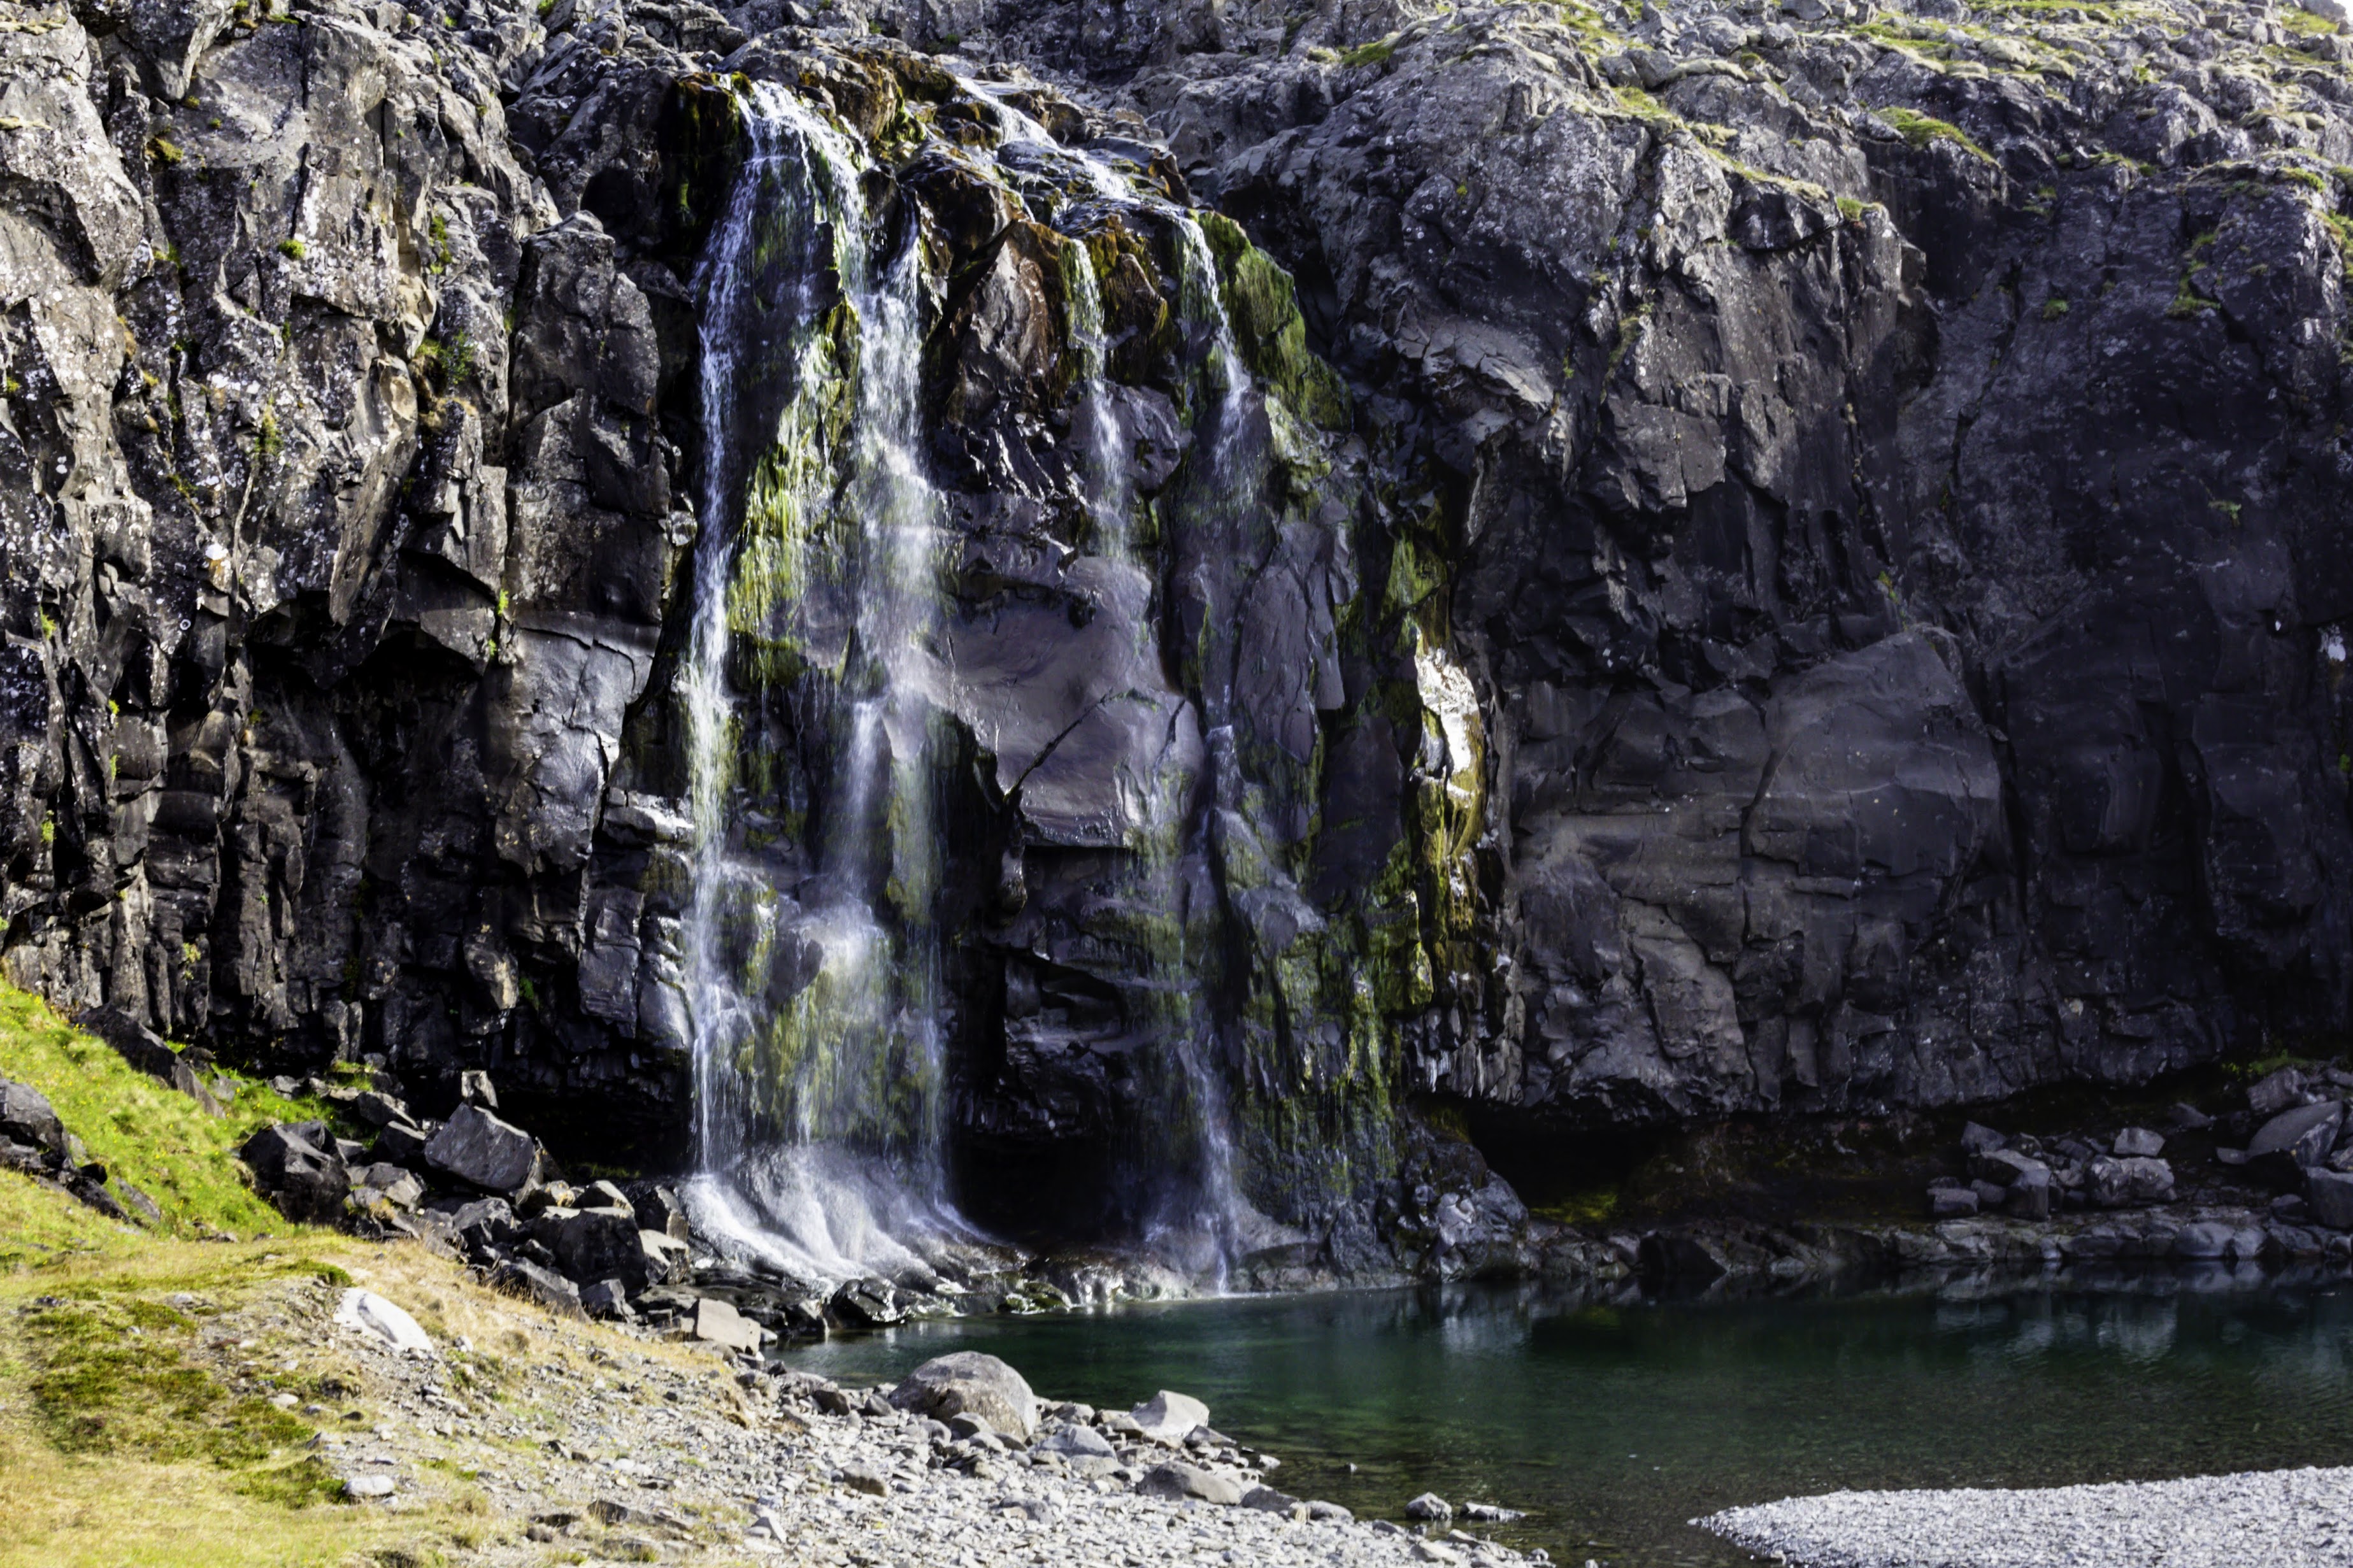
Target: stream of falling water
[815, 989]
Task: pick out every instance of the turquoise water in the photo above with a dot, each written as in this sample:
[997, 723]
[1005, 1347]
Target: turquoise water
[1614, 1425]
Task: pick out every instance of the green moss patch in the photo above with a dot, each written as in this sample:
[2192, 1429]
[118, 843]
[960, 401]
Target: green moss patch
[1919, 129]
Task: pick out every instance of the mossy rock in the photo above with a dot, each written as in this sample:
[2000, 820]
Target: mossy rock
[1264, 308]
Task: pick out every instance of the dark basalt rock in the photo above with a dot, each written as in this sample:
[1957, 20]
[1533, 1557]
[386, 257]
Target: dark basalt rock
[1802, 580]
[305, 1182]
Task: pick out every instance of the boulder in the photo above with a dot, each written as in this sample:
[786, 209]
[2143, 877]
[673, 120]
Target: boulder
[1323, 1512]
[668, 1260]
[2203, 1241]
[1951, 1202]
[304, 1182]
[2003, 1167]
[1178, 1481]
[474, 1088]
[2330, 1195]
[400, 1144]
[378, 1109]
[717, 1323]
[1989, 1194]
[1167, 1418]
[1431, 1509]
[2187, 1117]
[401, 1188]
[2135, 1142]
[2275, 1092]
[27, 1118]
[2029, 1195]
[1492, 1513]
[1978, 1140]
[592, 1244]
[484, 1223]
[1266, 1500]
[658, 1208]
[604, 1196]
[2292, 1141]
[521, 1276]
[371, 1314]
[1075, 1442]
[967, 1382]
[867, 1303]
[2120, 1184]
[478, 1149]
[606, 1298]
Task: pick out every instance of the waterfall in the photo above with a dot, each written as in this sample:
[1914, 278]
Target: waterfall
[813, 987]
[811, 950]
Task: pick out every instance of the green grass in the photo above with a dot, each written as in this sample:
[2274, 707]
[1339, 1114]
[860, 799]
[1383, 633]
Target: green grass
[1370, 54]
[1919, 129]
[143, 1130]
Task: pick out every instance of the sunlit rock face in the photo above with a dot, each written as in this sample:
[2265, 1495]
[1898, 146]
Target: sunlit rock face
[1201, 577]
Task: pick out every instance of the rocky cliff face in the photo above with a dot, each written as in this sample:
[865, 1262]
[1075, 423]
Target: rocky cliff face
[1762, 560]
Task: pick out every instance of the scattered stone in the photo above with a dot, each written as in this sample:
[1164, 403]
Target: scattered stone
[474, 1088]
[1266, 1500]
[1491, 1513]
[1174, 1480]
[1171, 1418]
[864, 1475]
[1323, 1513]
[1076, 1442]
[717, 1323]
[2137, 1142]
[366, 1489]
[1432, 1509]
[521, 1276]
[2187, 1117]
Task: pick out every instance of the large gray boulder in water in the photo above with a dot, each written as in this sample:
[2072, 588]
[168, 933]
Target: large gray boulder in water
[968, 1383]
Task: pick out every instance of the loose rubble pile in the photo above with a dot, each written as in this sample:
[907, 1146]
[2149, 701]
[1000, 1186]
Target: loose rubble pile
[2028, 1180]
[2278, 1189]
[479, 1188]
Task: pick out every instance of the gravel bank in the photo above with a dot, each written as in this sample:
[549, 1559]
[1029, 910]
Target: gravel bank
[2280, 1519]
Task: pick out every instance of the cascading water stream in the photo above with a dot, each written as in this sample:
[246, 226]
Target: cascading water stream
[814, 989]
[811, 956]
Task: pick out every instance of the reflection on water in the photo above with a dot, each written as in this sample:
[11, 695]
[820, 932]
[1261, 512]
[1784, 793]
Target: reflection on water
[1615, 1424]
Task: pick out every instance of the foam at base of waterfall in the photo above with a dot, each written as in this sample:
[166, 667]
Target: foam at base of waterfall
[824, 1214]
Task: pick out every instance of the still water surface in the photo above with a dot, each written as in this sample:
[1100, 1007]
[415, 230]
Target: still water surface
[1615, 1424]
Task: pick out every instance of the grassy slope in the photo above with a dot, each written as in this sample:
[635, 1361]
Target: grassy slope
[144, 1131]
[123, 1447]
